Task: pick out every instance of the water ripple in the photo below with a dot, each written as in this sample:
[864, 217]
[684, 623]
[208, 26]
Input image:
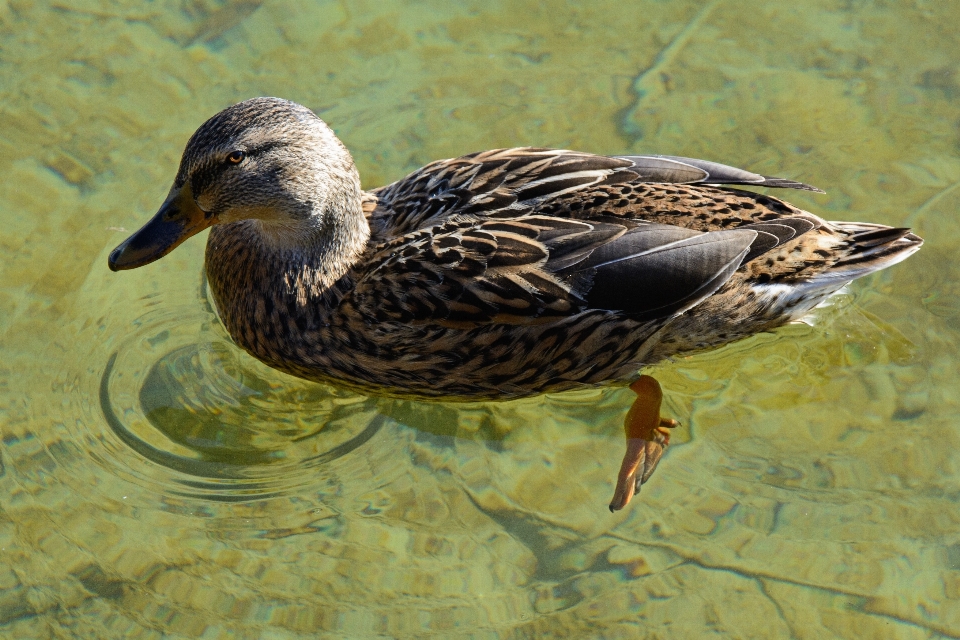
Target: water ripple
[186, 416]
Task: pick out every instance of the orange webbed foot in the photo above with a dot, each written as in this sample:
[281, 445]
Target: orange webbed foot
[647, 438]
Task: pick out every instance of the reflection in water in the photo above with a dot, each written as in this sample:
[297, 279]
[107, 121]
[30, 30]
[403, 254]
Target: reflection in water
[198, 419]
[198, 411]
[194, 411]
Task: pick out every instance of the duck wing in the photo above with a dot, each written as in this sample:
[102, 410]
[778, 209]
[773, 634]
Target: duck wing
[679, 170]
[533, 268]
[528, 235]
[504, 182]
[508, 182]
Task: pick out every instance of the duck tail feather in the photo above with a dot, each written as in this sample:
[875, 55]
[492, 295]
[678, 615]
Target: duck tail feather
[872, 247]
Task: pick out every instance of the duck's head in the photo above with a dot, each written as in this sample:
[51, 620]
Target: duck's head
[264, 159]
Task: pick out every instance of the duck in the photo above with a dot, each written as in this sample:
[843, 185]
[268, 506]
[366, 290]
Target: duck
[495, 275]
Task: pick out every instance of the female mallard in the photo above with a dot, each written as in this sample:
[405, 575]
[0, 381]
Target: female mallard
[496, 275]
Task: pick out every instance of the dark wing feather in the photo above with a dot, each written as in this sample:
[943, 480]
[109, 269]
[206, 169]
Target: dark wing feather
[681, 170]
[658, 271]
[532, 269]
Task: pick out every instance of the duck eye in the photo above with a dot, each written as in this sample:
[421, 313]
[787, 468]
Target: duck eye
[236, 157]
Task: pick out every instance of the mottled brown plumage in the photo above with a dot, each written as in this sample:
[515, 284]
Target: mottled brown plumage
[494, 275]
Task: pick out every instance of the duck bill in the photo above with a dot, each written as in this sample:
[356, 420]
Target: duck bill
[178, 218]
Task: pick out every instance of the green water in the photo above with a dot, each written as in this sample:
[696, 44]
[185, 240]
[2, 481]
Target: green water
[155, 482]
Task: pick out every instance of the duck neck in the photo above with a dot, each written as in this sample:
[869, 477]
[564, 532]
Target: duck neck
[311, 254]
